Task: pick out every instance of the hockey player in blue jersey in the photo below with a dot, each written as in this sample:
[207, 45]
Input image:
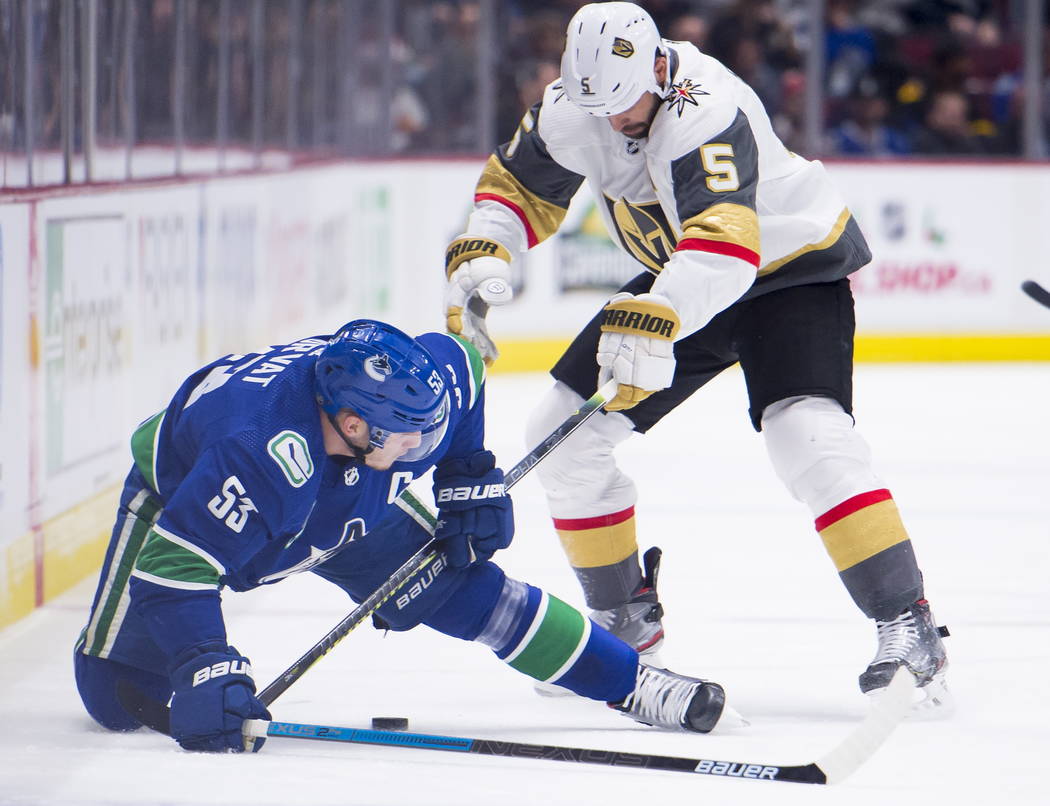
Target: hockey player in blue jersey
[292, 459]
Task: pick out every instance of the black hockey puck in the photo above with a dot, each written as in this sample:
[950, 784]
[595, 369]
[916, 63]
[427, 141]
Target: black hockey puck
[389, 723]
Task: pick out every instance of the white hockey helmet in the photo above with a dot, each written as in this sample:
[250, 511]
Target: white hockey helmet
[608, 60]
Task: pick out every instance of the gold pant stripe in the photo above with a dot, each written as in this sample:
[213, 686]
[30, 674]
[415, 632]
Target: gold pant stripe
[604, 545]
[864, 534]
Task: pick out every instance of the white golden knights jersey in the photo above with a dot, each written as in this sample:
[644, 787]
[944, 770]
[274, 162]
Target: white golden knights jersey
[711, 201]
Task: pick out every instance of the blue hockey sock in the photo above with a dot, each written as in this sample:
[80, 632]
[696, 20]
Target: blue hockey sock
[544, 638]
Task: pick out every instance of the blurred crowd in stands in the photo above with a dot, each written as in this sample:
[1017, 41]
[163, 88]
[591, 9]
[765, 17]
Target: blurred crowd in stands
[413, 77]
[902, 77]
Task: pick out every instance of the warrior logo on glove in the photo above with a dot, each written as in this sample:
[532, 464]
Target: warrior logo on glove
[637, 347]
[633, 317]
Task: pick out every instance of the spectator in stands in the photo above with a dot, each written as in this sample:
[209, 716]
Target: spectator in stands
[850, 48]
[789, 119]
[689, 27]
[450, 88]
[866, 131]
[947, 128]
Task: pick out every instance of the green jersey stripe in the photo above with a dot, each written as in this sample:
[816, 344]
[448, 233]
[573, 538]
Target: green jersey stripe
[182, 542]
[174, 583]
[113, 600]
[476, 365]
[144, 448]
[417, 510]
[172, 562]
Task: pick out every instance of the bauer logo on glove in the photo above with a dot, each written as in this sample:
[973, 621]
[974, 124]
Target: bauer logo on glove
[477, 492]
[476, 516]
[220, 669]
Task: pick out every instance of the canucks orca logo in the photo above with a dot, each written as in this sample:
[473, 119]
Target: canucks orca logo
[378, 367]
[682, 93]
[621, 47]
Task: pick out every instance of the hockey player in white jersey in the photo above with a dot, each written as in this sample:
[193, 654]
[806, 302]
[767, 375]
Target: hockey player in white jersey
[746, 249]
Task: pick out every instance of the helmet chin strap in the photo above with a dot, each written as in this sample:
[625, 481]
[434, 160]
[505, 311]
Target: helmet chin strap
[357, 454]
[661, 89]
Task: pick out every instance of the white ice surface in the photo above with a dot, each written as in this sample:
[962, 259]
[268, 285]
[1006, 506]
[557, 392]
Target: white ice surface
[752, 601]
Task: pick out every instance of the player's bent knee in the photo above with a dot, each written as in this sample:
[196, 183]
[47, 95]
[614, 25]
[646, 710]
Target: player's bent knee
[816, 452]
[584, 464]
[557, 404]
[97, 680]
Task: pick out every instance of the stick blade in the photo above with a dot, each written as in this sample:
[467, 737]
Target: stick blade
[1036, 292]
[843, 760]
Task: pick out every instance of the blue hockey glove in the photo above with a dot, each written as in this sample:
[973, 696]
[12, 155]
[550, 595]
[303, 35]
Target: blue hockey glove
[214, 694]
[475, 514]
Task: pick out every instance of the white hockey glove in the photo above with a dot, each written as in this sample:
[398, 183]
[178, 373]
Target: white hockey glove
[637, 347]
[478, 271]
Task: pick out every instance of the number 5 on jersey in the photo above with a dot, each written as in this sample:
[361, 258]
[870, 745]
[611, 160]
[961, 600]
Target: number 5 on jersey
[221, 506]
[717, 159]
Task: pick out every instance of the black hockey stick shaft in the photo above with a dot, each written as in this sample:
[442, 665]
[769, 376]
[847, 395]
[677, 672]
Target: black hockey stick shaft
[427, 555]
[1036, 292]
[803, 774]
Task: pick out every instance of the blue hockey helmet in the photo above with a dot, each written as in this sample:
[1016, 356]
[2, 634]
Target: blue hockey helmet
[388, 379]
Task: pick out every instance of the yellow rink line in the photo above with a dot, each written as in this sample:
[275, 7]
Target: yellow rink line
[38, 566]
[538, 355]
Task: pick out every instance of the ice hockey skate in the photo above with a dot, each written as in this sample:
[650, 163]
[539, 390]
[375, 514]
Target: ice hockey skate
[673, 701]
[914, 641]
[637, 622]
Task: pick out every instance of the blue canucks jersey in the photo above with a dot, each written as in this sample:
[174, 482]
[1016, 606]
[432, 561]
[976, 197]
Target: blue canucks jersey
[232, 487]
[238, 463]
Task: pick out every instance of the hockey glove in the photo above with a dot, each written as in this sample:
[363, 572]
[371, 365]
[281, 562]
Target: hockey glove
[476, 267]
[475, 514]
[637, 347]
[214, 694]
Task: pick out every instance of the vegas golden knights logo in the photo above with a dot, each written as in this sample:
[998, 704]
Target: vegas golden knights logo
[644, 231]
[621, 47]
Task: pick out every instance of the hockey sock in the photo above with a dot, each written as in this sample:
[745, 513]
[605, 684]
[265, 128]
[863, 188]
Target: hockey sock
[603, 551]
[546, 639]
[866, 539]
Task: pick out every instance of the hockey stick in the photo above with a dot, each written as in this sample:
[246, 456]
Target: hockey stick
[428, 553]
[1036, 292]
[834, 766]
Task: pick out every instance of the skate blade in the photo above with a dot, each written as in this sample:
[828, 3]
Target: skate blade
[731, 719]
[931, 702]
